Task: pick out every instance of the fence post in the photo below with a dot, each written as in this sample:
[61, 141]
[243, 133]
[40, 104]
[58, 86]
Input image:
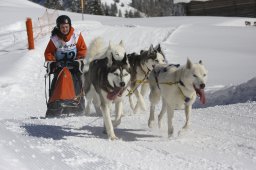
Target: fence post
[30, 34]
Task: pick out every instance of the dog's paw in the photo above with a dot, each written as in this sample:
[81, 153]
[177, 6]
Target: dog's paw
[113, 138]
[151, 123]
[186, 126]
[159, 124]
[136, 109]
[116, 122]
[170, 132]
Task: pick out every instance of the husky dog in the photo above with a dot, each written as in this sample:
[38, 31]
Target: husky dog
[178, 87]
[105, 82]
[141, 66]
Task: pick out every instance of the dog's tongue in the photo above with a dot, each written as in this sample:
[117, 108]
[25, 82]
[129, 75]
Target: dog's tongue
[200, 93]
[112, 95]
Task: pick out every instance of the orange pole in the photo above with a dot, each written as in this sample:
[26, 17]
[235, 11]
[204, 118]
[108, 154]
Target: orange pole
[30, 34]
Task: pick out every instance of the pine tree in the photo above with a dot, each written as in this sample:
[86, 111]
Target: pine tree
[106, 9]
[130, 15]
[113, 9]
[94, 7]
[136, 14]
[126, 14]
[53, 4]
[120, 13]
[73, 5]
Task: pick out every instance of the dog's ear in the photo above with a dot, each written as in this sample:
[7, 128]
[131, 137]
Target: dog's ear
[200, 62]
[189, 64]
[110, 44]
[121, 43]
[158, 48]
[151, 49]
[124, 61]
[113, 59]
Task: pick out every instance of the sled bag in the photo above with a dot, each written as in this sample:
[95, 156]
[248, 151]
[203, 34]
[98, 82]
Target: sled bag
[64, 87]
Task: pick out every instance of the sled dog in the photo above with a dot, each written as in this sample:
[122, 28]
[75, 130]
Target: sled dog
[178, 87]
[106, 80]
[141, 65]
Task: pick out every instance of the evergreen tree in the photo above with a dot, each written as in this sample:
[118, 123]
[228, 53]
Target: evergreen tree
[106, 9]
[94, 7]
[136, 14]
[126, 15]
[154, 7]
[113, 9]
[53, 4]
[73, 5]
[130, 15]
[120, 13]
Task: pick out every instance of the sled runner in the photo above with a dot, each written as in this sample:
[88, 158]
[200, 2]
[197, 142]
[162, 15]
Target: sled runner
[65, 94]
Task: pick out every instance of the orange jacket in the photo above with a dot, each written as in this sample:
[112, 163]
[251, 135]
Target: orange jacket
[81, 47]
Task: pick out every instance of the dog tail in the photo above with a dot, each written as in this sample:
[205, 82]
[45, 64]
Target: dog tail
[95, 48]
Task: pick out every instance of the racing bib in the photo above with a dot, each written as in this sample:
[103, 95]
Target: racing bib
[65, 50]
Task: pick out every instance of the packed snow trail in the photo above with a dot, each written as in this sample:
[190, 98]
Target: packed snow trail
[78, 142]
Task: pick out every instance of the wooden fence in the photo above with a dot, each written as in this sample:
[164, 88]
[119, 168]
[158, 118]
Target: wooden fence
[239, 8]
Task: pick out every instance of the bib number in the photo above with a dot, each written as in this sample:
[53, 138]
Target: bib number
[65, 55]
[68, 55]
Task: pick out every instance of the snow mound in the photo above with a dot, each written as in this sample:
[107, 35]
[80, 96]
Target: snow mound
[231, 95]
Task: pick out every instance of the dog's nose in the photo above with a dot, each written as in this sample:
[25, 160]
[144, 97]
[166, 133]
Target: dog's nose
[202, 86]
[122, 84]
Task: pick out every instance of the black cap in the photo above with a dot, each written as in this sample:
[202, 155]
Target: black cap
[63, 19]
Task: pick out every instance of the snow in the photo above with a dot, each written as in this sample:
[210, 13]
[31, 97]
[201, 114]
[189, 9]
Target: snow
[221, 136]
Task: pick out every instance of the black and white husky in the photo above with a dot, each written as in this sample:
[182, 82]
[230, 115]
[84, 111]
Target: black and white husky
[106, 80]
[178, 88]
[141, 65]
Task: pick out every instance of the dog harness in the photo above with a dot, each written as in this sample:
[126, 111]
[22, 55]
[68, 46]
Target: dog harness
[180, 82]
[139, 82]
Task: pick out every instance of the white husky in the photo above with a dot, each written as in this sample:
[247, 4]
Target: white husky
[178, 87]
[106, 80]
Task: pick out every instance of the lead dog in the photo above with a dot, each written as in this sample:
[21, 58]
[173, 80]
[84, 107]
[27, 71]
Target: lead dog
[106, 80]
[178, 87]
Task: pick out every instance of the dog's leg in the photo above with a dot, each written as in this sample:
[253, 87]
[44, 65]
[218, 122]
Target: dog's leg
[88, 96]
[97, 108]
[188, 109]
[119, 112]
[107, 121]
[131, 101]
[151, 119]
[140, 102]
[170, 112]
[144, 89]
[154, 98]
[160, 116]
[97, 103]
[88, 107]
[187, 113]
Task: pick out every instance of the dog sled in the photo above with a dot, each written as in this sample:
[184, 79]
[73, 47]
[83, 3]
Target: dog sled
[65, 90]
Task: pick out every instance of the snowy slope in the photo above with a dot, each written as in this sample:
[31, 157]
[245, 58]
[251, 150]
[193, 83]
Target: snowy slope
[220, 137]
